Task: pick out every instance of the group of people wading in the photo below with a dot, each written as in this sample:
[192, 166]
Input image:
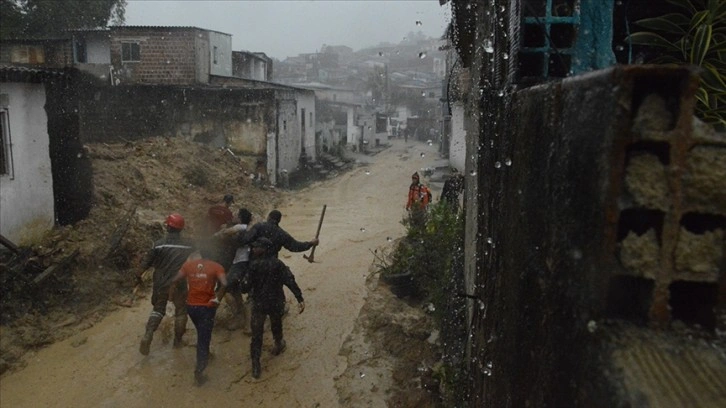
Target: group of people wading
[234, 258]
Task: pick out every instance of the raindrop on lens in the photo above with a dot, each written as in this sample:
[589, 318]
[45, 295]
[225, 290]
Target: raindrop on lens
[423, 155]
[619, 48]
[472, 173]
[79, 155]
[501, 92]
[389, 239]
[362, 375]
[362, 229]
[497, 165]
[368, 172]
[505, 56]
[380, 53]
[422, 55]
[488, 46]
[508, 162]
[418, 23]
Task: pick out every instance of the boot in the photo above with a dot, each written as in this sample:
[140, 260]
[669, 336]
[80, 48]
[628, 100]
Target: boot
[180, 326]
[146, 342]
[280, 346]
[151, 325]
[199, 378]
[256, 368]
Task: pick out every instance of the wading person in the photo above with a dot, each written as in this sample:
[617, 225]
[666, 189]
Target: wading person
[236, 275]
[202, 276]
[267, 276]
[220, 215]
[166, 256]
[271, 230]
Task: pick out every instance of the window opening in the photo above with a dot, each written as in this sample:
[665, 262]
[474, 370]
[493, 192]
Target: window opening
[130, 52]
[549, 32]
[80, 47]
[215, 55]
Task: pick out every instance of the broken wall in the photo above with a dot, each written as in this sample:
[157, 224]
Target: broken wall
[238, 118]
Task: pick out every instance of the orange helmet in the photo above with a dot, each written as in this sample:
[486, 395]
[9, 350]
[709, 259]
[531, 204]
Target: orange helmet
[175, 221]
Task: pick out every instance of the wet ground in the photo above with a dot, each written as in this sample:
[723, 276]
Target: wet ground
[101, 366]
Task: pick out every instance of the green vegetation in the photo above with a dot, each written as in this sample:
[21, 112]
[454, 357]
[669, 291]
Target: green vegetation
[48, 18]
[428, 251]
[695, 36]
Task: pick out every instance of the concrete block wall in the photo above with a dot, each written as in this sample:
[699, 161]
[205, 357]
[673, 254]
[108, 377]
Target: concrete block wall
[672, 210]
[589, 206]
[166, 57]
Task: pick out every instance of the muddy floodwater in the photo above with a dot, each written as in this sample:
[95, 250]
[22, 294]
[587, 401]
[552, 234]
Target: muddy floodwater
[102, 367]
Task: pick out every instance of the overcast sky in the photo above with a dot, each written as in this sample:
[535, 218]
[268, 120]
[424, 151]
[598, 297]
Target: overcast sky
[287, 28]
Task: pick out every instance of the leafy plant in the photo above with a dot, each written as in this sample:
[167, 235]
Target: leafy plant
[428, 251]
[696, 35]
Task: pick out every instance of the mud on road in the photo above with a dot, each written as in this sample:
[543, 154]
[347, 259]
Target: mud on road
[325, 364]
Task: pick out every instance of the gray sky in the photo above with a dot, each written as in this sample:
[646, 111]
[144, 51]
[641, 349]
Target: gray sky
[287, 28]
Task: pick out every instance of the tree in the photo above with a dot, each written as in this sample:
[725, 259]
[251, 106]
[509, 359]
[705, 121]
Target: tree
[48, 18]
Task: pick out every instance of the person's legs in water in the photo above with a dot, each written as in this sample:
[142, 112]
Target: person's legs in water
[180, 313]
[203, 319]
[159, 297]
[258, 326]
[276, 327]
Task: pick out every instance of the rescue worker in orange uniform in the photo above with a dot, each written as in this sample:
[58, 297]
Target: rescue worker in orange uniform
[419, 195]
[202, 276]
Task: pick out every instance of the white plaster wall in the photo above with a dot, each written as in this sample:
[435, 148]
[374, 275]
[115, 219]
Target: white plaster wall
[457, 141]
[306, 101]
[223, 42]
[203, 59]
[26, 196]
[288, 144]
[353, 131]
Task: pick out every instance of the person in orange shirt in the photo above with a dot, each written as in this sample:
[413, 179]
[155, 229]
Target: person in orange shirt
[202, 275]
[419, 195]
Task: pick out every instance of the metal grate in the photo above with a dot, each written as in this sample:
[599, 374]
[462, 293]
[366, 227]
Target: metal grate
[547, 38]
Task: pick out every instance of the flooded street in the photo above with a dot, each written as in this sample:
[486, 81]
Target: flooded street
[101, 366]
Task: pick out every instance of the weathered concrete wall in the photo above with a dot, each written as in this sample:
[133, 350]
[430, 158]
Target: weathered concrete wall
[568, 189]
[288, 142]
[248, 121]
[26, 192]
[238, 118]
[457, 141]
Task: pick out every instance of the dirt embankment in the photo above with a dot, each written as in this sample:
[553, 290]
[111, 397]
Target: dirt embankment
[135, 186]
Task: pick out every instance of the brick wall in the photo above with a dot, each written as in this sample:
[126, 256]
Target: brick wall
[166, 57]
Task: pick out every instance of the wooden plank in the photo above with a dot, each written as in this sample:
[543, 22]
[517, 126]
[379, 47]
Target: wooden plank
[53, 268]
[9, 244]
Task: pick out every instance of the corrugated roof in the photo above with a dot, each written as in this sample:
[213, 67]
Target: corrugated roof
[126, 27]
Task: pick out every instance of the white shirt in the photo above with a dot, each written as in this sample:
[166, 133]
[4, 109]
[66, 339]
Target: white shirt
[243, 253]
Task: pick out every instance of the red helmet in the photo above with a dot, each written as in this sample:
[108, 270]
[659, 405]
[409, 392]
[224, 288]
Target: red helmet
[175, 221]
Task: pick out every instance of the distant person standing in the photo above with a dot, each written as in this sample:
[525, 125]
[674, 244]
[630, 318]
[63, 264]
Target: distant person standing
[202, 276]
[166, 256]
[220, 215]
[419, 197]
[267, 276]
[453, 186]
